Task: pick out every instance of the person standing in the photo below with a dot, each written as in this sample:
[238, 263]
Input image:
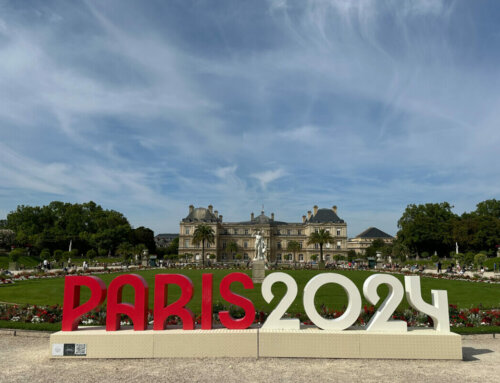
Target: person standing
[439, 267]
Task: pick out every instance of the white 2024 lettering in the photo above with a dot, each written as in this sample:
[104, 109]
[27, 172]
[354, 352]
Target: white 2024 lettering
[380, 320]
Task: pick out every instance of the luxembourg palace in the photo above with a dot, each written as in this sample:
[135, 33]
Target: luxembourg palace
[276, 233]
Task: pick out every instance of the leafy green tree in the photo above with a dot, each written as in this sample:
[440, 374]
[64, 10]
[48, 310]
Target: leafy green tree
[293, 247]
[91, 254]
[58, 254]
[488, 208]
[479, 259]
[125, 249]
[314, 257]
[427, 227]
[173, 247]
[320, 237]
[17, 253]
[45, 254]
[146, 236]
[204, 234]
[7, 238]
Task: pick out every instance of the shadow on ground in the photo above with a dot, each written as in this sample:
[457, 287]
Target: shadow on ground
[469, 353]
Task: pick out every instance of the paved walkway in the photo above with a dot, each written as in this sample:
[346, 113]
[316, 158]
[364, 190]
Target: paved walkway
[26, 359]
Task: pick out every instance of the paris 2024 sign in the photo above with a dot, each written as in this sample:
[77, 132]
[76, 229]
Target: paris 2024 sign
[381, 320]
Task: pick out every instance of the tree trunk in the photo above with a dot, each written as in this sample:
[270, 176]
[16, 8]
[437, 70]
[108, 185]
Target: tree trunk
[321, 252]
[203, 252]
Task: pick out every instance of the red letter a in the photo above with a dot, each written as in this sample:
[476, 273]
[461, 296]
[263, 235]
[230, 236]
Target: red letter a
[138, 312]
[163, 310]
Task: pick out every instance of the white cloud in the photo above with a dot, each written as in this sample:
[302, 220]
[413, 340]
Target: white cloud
[268, 176]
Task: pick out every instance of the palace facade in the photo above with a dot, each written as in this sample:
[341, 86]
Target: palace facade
[364, 240]
[277, 235]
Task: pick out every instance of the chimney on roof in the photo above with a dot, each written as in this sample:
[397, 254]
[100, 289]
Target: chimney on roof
[315, 208]
[303, 219]
[216, 212]
[334, 208]
[191, 208]
[220, 217]
[309, 214]
[251, 216]
[210, 208]
[272, 216]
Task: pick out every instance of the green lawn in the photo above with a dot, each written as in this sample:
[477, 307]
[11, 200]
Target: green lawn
[28, 262]
[463, 294]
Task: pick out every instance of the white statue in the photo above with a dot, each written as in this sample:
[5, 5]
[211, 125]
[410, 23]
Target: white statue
[260, 247]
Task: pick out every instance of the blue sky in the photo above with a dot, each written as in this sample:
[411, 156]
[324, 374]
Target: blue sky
[149, 106]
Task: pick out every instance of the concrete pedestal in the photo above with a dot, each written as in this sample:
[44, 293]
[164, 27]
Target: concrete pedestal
[305, 343]
[258, 271]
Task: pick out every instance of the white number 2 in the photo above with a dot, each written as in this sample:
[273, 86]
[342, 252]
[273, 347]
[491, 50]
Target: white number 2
[274, 320]
[380, 320]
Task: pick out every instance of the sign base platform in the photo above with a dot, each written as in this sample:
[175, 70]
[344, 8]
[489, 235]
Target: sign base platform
[95, 342]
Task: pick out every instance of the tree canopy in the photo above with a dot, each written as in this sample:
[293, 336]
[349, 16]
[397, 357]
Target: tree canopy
[87, 225]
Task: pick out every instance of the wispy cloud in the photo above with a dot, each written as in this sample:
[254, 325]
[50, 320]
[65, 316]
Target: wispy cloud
[367, 105]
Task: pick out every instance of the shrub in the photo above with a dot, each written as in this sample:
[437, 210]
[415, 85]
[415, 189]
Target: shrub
[91, 254]
[74, 253]
[45, 254]
[66, 255]
[479, 259]
[102, 252]
[424, 254]
[16, 254]
[58, 254]
[435, 258]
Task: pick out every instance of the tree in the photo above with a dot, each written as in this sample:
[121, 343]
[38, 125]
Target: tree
[15, 254]
[6, 238]
[427, 228]
[293, 246]
[146, 236]
[203, 233]
[320, 237]
[91, 254]
[488, 208]
[479, 259]
[232, 247]
[125, 249]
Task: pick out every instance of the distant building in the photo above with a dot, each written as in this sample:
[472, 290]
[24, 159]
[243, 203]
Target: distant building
[276, 233]
[163, 240]
[366, 238]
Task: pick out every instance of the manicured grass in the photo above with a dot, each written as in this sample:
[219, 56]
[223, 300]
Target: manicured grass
[28, 262]
[30, 326]
[463, 294]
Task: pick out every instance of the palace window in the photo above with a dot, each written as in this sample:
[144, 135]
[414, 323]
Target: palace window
[186, 243]
[278, 245]
[301, 257]
[278, 232]
[288, 232]
[300, 244]
[187, 230]
[316, 246]
[245, 244]
[245, 256]
[224, 245]
[246, 231]
[338, 232]
[235, 231]
[299, 232]
[278, 257]
[339, 244]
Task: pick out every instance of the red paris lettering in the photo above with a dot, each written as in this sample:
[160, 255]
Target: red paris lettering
[206, 301]
[72, 310]
[138, 312]
[163, 310]
[235, 299]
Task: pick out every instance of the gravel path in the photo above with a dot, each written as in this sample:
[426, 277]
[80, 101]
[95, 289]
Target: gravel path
[26, 359]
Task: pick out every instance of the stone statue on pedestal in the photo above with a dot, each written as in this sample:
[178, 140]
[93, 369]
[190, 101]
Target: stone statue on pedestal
[260, 247]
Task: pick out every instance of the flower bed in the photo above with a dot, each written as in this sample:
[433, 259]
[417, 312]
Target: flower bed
[474, 317]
